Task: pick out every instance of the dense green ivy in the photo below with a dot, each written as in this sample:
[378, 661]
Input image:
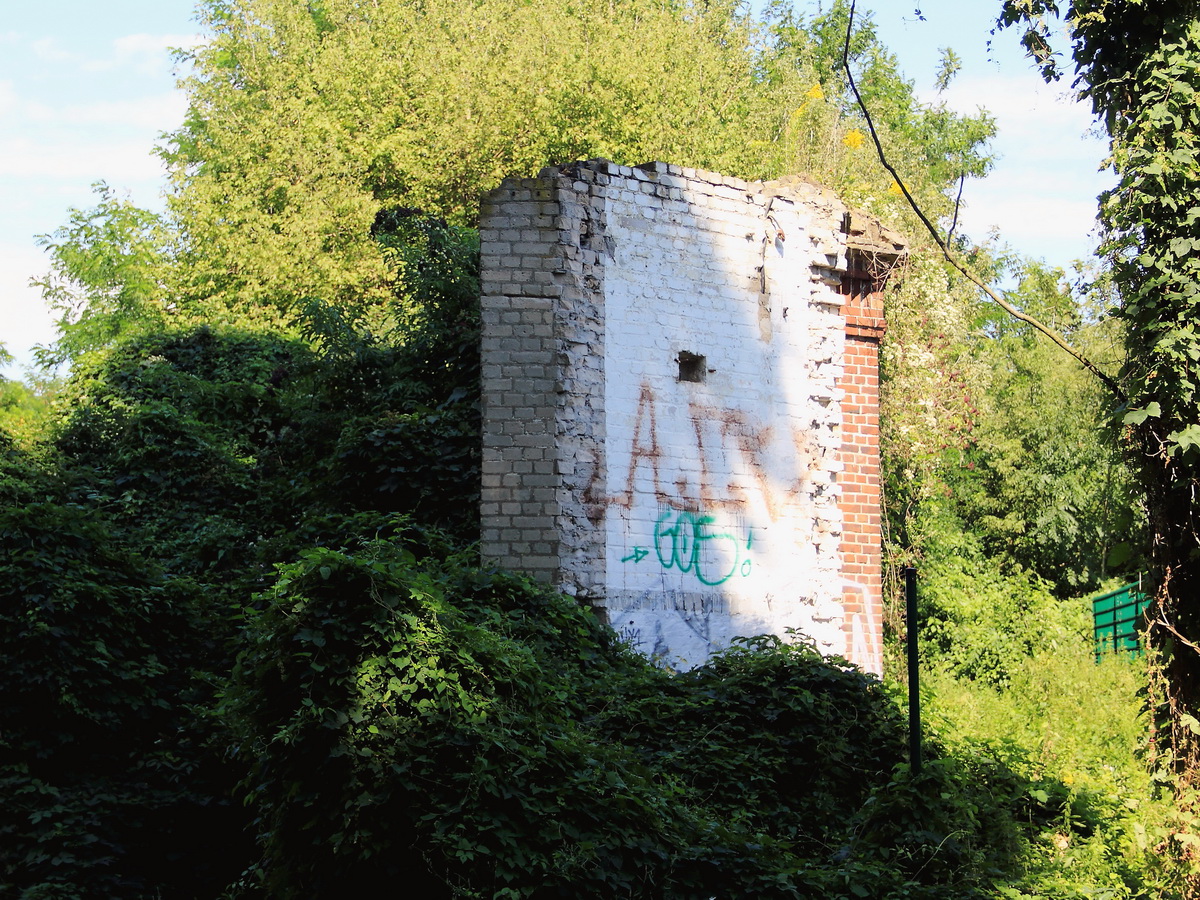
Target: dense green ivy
[407, 717]
[107, 781]
[184, 464]
[1154, 239]
[1154, 223]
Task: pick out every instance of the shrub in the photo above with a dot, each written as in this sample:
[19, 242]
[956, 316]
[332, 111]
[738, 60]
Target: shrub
[405, 716]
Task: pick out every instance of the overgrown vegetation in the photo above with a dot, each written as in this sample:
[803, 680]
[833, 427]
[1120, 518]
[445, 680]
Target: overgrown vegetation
[1137, 62]
[247, 652]
[395, 713]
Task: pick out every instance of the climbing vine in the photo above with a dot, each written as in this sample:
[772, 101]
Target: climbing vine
[1153, 238]
[1138, 61]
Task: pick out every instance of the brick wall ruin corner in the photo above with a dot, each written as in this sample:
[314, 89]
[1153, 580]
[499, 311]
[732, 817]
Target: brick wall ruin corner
[680, 403]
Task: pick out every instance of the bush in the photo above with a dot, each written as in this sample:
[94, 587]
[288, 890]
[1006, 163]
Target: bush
[1011, 675]
[105, 792]
[403, 715]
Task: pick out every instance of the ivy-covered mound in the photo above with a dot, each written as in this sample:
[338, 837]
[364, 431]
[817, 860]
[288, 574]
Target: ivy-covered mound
[228, 674]
[408, 720]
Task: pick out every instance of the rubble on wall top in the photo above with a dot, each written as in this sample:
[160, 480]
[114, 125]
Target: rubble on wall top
[868, 234]
[863, 232]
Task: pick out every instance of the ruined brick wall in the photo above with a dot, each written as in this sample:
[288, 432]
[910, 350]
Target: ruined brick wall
[677, 412]
[860, 497]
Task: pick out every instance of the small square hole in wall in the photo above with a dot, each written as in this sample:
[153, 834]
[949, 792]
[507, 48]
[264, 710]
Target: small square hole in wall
[692, 367]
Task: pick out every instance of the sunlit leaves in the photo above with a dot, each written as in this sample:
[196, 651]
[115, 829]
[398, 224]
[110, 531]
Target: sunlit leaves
[108, 270]
[305, 120]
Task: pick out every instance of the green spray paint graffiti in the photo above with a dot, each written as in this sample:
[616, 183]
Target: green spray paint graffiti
[686, 542]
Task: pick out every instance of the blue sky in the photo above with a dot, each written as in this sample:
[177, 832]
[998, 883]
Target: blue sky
[86, 89]
[1042, 193]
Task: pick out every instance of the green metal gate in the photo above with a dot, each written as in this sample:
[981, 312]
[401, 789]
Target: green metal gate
[1118, 617]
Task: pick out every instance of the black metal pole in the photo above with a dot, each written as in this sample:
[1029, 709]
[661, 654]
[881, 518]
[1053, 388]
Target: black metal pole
[914, 682]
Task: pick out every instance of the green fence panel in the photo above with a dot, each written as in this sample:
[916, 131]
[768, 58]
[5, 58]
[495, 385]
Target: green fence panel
[1118, 618]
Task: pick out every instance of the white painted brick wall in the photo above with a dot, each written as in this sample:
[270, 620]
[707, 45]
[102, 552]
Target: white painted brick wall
[722, 512]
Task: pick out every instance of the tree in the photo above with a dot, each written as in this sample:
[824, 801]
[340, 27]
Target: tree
[1001, 435]
[936, 147]
[23, 409]
[1138, 62]
[1041, 481]
[307, 119]
[107, 275]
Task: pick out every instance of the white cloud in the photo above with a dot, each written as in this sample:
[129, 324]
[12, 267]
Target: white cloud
[1041, 192]
[82, 98]
[110, 139]
[1006, 92]
[49, 50]
[1036, 219]
[155, 113]
[146, 54]
[1023, 106]
[142, 54]
[117, 160]
[25, 319]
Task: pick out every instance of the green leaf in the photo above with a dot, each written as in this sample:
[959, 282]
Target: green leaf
[1138, 416]
[1186, 438]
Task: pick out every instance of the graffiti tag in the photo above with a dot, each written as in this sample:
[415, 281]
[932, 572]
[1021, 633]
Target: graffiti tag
[686, 542]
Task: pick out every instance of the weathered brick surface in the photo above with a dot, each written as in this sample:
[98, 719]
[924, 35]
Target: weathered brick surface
[680, 419]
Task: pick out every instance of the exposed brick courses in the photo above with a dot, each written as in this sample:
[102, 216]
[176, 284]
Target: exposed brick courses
[680, 406]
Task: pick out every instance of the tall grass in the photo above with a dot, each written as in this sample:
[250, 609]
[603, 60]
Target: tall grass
[1098, 826]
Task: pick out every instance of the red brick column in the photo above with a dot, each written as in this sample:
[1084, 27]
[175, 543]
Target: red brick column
[862, 536]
